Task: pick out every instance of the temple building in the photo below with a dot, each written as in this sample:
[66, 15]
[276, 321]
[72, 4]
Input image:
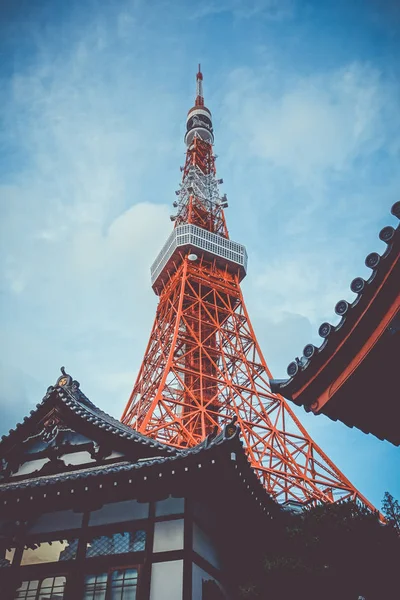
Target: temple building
[92, 510]
[352, 376]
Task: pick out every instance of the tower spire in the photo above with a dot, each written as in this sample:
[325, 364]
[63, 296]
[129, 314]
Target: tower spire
[203, 365]
[199, 88]
[200, 202]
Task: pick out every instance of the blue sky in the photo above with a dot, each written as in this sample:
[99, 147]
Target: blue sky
[93, 96]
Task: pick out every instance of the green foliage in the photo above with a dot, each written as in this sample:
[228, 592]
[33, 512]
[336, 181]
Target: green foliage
[330, 552]
[391, 510]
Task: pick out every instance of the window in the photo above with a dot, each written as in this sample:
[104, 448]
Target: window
[118, 512]
[117, 585]
[168, 535]
[170, 506]
[56, 521]
[50, 588]
[77, 458]
[116, 543]
[6, 557]
[166, 580]
[30, 467]
[45, 552]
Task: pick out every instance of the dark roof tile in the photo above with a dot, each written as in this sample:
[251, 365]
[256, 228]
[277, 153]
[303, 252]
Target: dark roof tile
[348, 311]
[69, 393]
[229, 435]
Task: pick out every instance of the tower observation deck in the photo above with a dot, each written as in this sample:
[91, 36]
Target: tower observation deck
[203, 365]
[200, 229]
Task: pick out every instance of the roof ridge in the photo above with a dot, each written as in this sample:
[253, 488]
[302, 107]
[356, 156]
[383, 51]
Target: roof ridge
[68, 391]
[227, 435]
[71, 395]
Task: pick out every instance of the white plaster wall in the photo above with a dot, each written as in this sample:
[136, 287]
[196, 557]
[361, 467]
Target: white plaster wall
[167, 580]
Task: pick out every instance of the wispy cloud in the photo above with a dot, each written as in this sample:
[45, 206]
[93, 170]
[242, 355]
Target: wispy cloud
[317, 125]
[312, 148]
[82, 215]
[274, 10]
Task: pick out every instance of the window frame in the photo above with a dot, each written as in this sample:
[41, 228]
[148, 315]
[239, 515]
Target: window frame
[109, 571]
[40, 580]
[85, 541]
[53, 539]
[83, 535]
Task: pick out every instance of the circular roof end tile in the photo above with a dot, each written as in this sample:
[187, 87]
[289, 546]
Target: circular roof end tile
[341, 307]
[372, 260]
[357, 285]
[396, 209]
[325, 329]
[386, 234]
[309, 350]
[292, 369]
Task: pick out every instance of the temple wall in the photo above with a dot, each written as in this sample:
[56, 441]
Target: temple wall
[140, 550]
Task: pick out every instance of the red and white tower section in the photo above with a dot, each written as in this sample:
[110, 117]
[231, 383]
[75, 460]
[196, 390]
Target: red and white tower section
[203, 364]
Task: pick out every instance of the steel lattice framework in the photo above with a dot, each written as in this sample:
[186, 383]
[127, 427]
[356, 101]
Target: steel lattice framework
[203, 365]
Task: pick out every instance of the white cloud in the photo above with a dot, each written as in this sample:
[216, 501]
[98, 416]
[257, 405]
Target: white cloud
[84, 212]
[313, 124]
[291, 289]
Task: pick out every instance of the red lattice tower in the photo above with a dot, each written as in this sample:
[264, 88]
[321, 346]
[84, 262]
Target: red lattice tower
[203, 365]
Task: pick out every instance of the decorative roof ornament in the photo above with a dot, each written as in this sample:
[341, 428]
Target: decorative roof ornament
[211, 436]
[66, 381]
[231, 429]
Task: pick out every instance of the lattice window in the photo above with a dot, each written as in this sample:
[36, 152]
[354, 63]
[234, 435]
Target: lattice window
[54, 551]
[42, 589]
[6, 557]
[116, 543]
[120, 584]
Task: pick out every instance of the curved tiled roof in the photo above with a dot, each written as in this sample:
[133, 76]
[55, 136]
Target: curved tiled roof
[229, 434]
[384, 266]
[222, 450]
[67, 392]
[82, 406]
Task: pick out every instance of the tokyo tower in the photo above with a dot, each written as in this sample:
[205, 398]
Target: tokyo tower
[203, 365]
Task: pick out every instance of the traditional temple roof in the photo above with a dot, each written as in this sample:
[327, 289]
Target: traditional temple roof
[352, 376]
[227, 437]
[67, 395]
[66, 423]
